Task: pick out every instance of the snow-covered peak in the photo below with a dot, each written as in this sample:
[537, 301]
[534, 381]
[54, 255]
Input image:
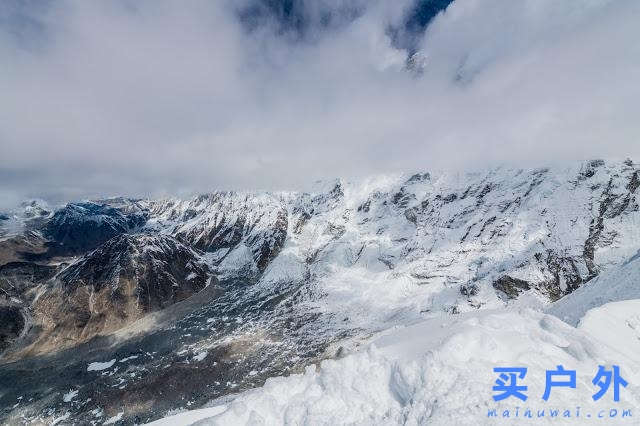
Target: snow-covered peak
[298, 273]
[393, 248]
[396, 248]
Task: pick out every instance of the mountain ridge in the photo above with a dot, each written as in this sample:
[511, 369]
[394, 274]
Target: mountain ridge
[297, 273]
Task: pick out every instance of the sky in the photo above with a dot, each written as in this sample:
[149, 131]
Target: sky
[159, 97]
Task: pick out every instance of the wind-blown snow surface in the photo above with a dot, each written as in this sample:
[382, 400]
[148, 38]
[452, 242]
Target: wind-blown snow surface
[440, 372]
[617, 324]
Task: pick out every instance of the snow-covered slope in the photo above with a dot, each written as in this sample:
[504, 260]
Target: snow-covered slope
[615, 284]
[441, 372]
[15, 221]
[616, 324]
[229, 225]
[393, 249]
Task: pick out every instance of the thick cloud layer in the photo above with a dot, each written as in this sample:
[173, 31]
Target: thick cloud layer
[145, 97]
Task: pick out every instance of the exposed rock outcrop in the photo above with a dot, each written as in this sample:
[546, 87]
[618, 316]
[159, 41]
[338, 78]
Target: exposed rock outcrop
[12, 324]
[79, 227]
[221, 222]
[511, 287]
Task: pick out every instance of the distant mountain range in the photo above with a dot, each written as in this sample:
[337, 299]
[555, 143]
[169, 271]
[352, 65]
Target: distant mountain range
[194, 299]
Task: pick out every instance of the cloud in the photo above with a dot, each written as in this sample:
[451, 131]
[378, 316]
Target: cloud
[152, 97]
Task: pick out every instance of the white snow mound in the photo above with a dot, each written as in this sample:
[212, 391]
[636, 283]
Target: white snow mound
[441, 372]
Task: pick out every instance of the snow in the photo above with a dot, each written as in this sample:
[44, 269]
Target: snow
[70, 395]
[200, 356]
[440, 371]
[114, 419]
[188, 417]
[60, 419]
[238, 261]
[17, 218]
[99, 366]
[392, 250]
[390, 254]
[616, 324]
[615, 284]
[204, 217]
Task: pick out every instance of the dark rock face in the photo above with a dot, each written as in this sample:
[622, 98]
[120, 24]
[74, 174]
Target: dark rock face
[225, 220]
[511, 287]
[418, 177]
[469, 290]
[28, 246]
[230, 231]
[417, 18]
[18, 278]
[269, 245]
[589, 169]
[12, 323]
[402, 198]
[79, 227]
[164, 270]
[634, 183]
[116, 284]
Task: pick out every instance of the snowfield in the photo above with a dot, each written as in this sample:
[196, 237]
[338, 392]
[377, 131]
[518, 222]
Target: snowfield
[99, 366]
[616, 324]
[440, 372]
